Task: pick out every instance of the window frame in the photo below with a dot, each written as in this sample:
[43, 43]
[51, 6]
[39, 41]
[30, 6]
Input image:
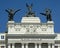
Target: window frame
[2, 36]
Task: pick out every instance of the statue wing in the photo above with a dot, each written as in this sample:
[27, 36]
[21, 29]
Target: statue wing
[16, 11]
[43, 14]
[27, 5]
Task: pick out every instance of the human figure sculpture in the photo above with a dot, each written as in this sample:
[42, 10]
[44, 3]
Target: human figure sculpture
[11, 13]
[30, 13]
[29, 7]
[47, 14]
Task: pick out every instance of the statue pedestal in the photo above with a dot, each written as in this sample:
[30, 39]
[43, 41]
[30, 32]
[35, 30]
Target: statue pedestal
[30, 20]
[50, 22]
[10, 21]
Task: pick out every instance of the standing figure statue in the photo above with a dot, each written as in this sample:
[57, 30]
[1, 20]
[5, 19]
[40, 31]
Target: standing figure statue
[30, 13]
[11, 13]
[29, 8]
[47, 14]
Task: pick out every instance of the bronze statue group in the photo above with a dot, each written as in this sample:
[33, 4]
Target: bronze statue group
[11, 13]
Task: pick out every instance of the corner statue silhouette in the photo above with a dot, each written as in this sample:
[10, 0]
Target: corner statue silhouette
[11, 13]
[47, 14]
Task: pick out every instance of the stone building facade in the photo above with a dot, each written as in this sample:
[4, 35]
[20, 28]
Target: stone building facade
[30, 33]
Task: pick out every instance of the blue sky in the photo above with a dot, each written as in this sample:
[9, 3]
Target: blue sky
[38, 7]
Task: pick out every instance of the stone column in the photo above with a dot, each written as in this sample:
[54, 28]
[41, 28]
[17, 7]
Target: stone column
[13, 45]
[22, 45]
[9, 46]
[35, 45]
[26, 45]
[39, 45]
[49, 45]
[53, 46]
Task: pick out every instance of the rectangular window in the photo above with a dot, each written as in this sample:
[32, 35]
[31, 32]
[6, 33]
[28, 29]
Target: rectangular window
[2, 36]
[2, 46]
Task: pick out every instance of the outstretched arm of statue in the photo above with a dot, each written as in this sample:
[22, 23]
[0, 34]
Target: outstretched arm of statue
[16, 11]
[7, 11]
[43, 14]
